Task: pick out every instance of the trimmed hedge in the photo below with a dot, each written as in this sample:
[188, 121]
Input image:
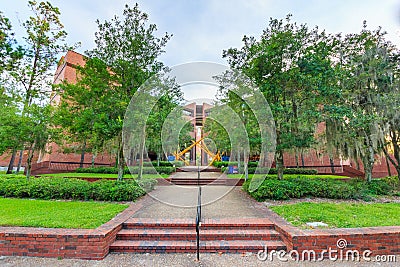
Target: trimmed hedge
[75, 189]
[261, 170]
[219, 164]
[275, 189]
[135, 170]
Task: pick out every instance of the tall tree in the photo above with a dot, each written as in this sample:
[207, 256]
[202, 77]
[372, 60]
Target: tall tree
[291, 66]
[368, 69]
[84, 107]
[130, 49]
[32, 75]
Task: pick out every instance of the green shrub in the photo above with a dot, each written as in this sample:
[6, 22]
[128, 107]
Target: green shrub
[61, 188]
[264, 170]
[393, 181]
[133, 169]
[272, 188]
[175, 163]
[379, 187]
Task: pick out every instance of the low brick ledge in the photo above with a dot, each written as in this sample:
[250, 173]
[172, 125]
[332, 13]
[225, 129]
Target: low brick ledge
[92, 244]
[383, 240]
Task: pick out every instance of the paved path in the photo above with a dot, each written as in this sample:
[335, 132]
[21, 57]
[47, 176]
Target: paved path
[180, 201]
[174, 260]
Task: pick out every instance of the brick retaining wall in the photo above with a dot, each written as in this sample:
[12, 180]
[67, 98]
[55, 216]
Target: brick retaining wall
[90, 244]
[383, 240]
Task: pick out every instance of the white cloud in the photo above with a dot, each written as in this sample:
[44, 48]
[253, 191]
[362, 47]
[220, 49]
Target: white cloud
[202, 29]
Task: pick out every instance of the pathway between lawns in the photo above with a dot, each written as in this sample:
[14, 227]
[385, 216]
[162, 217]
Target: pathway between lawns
[173, 201]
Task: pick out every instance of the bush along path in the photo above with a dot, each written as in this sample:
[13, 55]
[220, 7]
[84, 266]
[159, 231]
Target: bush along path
[324, 188]
[75, 189]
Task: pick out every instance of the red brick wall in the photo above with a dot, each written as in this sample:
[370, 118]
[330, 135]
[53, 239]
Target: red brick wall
[90, 244]
[379, 240]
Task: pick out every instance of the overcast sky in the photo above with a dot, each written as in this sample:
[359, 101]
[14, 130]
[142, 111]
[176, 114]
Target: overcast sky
[202, 29]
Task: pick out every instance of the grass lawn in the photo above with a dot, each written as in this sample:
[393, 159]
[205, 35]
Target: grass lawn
[100, 175]
[56, 214]
[341, 215]
[323, 176]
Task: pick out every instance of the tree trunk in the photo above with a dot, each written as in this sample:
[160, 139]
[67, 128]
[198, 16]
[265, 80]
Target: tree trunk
[141, 154]
[279, 164]
[120, 162]
[246, 165]
[302, 159]
[83, 151]
[238, 159]
[358, 165]
[11, 164]
[21, 154]
[388, 167]
[94, 155]
[29, 162]
[332, 165]
[394, 162]
[368, 162]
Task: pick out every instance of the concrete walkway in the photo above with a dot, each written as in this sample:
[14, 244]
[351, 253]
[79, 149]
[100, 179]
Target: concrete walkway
[180, 201]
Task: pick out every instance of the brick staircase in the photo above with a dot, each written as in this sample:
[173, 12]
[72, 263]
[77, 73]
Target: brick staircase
[195, 168]
[352, 172]
[193, 181]
[179, 236]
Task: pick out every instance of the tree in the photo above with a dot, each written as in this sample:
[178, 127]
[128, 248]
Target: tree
[11, 124]
[9, 52]
[170, 99]
[32, 74]
[130, 49]
[39, 122]
[291, 66]
[367, 65]
[84, 107]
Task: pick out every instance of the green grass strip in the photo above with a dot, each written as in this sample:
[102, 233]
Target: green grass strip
[56, 214]
[341, 215]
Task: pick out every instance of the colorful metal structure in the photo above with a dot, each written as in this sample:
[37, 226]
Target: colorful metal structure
[202, 145]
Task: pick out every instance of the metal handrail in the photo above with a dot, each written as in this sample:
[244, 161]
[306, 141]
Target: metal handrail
[198, 215]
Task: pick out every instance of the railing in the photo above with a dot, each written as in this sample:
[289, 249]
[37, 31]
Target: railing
[198, 220]
[322, 169]
[71, 166]
[198, 216]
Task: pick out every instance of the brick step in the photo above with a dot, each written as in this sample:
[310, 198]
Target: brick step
[200, 183]
[157, 223]
[225, 223]
[190, 234]
[165, 246]
[194, 169]
[231, 223]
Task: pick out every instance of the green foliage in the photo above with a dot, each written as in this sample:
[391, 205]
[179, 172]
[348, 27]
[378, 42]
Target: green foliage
[219, 164]
[252, 170]
[252, 166]
[129, 48]
[275, 189]
[291, 64]
[133, 170]
[60, 188]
